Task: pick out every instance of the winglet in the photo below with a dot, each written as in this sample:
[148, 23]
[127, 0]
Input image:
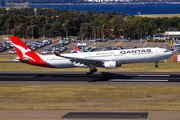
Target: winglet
[57, 54]
[77, 49]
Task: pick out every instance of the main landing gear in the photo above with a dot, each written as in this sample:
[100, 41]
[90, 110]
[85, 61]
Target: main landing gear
[156, 65]
[91, 71]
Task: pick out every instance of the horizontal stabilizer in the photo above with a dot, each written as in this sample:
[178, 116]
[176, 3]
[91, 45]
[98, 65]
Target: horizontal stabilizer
[57, 54]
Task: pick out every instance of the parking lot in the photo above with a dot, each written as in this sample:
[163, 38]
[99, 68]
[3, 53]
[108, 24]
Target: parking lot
[98, 45]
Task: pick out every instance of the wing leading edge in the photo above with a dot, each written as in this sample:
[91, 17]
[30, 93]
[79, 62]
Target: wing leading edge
[80, 60]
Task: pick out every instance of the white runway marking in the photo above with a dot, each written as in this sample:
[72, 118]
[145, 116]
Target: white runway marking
[144, 75]
[127, 80]
[2, 77]
[156, 75]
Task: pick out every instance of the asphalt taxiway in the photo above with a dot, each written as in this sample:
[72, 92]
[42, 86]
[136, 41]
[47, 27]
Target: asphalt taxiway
[167, 79]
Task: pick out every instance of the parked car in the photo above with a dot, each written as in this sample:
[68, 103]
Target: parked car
[93, 40]
[46, 51]
[117, 48]
[106, 49]
[1, 49]
[88, 49]
[8, 44]
[104, 40]
[118, 39]
[47, 42]
[143, 39]
[127, 39]
[13, 51]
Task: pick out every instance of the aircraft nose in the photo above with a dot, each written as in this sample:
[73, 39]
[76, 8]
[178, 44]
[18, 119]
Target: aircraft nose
[170, 54]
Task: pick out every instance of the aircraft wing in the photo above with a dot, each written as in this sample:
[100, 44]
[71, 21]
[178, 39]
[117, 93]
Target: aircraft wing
[81, 60]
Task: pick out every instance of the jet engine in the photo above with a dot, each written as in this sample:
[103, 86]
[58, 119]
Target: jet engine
[25, 60]
[110, 64]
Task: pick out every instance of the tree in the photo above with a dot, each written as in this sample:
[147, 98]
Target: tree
[83, 30]
[167, 23]
[178, 27]
[104, 20]
[32, 31]
[128, 26]
[152, 23]
[139, 30]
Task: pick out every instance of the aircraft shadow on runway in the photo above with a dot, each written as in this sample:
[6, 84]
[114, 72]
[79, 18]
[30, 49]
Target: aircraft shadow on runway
[103, 76]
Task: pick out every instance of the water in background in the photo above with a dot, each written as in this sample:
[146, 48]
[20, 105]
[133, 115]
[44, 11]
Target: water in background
[130, 9]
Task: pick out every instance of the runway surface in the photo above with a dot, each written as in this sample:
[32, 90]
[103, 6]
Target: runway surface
[162, 79]
[153, 79]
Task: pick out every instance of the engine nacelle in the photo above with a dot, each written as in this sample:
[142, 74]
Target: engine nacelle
[110, 65]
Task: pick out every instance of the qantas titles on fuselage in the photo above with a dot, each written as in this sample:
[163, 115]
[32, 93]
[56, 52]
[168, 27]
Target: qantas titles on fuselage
[138, 51]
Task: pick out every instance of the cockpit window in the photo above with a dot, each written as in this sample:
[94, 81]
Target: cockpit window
[166, 51]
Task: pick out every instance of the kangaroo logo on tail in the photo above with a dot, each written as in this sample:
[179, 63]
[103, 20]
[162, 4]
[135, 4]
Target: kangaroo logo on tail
[25, 52]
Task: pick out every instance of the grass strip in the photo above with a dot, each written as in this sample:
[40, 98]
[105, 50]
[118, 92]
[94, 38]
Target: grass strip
[159, 15]
[167, 66]
[89, 97]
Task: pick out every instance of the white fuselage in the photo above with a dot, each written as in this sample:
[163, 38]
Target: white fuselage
[123, 56]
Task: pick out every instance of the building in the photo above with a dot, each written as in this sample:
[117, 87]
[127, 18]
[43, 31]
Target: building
[109, 0]
[2, 3]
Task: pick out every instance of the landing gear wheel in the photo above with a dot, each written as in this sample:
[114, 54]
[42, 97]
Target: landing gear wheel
[95, 70]
[89, 73]
[91, 70]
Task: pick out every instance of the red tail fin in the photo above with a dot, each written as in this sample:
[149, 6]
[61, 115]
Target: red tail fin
[25, 53]
[77, 49]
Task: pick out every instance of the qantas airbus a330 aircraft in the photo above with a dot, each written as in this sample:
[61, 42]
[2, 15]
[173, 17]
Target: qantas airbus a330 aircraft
[108, 59]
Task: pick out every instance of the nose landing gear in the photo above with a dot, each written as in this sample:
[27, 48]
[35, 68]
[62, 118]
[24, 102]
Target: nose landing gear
[156, 66]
